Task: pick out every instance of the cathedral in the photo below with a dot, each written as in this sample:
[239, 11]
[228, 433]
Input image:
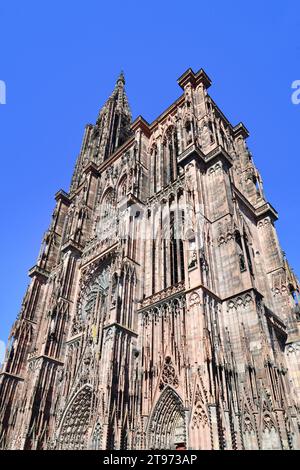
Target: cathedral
[161, 312]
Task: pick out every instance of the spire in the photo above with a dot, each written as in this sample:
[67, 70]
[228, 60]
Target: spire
[118, 97]
[111, 130]
[114, 120]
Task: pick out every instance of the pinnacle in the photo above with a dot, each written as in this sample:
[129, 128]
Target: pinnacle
[121, 78]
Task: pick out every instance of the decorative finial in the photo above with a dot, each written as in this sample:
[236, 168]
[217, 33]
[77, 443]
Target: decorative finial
[121, 78]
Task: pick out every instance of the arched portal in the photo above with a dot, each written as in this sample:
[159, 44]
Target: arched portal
[167, 425]
[75, 424]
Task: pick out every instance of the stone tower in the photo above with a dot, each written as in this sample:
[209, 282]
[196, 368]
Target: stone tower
[161, 312]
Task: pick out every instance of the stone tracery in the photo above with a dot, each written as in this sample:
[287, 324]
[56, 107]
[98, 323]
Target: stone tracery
[75, 423]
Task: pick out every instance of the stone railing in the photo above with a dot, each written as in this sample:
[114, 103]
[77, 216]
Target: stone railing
[162, 295]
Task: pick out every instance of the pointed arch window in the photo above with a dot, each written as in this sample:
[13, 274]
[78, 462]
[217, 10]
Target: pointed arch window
[95, 299]
[173, 250]
[192, 255]
[170, 153]
[122, 188]
[188, 132]
[107, 206]
[114, 140]
[154, 156]
[248, 255]
[240, 251]
[211, 132]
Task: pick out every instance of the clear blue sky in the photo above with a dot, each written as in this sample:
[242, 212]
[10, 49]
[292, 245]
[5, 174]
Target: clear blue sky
[60, 60]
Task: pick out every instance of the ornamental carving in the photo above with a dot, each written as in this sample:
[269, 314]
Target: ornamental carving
[168, 376]
[200, 418]
[293, 348]
[163, 309]
[163, 295]
[93, 296]
[215, 170]
[74, 428]
[200, 415]
[242, 301]
[264, 223]
[194, 299]
[226, 232]
[248, 425]
[268, 422]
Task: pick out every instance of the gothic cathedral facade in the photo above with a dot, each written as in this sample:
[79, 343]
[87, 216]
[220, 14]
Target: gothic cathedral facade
[161, 312]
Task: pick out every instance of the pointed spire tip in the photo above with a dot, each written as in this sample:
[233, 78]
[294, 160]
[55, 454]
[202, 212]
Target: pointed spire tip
[121, 77]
